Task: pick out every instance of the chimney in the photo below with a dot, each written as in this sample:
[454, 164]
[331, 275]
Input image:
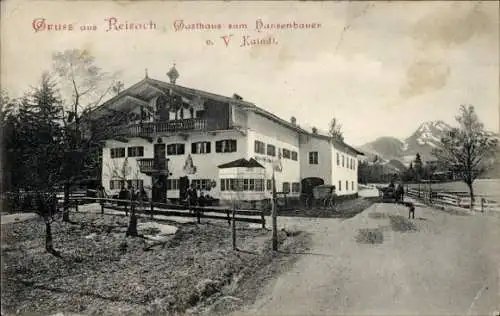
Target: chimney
[237, 97]
[315, 130]
[293, 120]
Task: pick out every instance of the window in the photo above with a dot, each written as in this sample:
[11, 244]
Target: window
[313, 158]
[115, 184]
[200, 148]
[342, 160]
[175, 149]
[136, 183]
[338, 159]
[295, 156]
[260, 147]
[201, 183]
[340, 185]
[251, 187]
[286, 186]
[172, 184]
[269, 185]
[347, 185]
[246, 184]
[225, 146]
[259, 185]
[232, 185]
[352, 185]
[271, 150]
[117, 152]
[200, 113]
[286, 153]
[136, 151]
[295, 187]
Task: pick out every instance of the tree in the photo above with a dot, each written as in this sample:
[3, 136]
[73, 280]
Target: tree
[34, 150]
[335, 130]
[467, 147]
[84, 86]
[122, 172]
[418, 167]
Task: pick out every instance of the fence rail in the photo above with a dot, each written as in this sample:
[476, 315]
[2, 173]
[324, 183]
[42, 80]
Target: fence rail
[164, 209]
[457, 199]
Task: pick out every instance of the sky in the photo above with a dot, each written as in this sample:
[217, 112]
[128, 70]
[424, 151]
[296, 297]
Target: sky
[380, 68]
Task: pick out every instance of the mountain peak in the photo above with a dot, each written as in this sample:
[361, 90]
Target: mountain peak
[433, 125]
[426, 137]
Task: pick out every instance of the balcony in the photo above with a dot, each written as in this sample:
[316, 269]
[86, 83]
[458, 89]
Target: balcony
[152, 129]
[151, 166]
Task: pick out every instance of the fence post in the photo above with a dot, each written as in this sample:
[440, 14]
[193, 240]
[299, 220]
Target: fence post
[152, 208]
[198, 215]
[102, 207]
[76, 205]
[482, 205]
[233, 229]
[263, 220]
[228, 217]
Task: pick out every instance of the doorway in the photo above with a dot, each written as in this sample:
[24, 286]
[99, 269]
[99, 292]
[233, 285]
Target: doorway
[183, 186]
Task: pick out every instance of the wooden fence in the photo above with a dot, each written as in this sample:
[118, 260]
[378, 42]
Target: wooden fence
[164, 209]
[457, 199]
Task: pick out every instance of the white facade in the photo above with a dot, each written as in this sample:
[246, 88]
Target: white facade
[258, 134]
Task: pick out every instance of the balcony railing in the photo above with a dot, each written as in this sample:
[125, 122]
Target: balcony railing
[150, 129]
[153, 166]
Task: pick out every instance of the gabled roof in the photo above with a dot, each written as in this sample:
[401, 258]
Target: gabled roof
[245, 105]
[252, 163]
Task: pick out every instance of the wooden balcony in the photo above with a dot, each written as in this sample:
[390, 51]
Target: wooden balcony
[152, 129]
[150, 166]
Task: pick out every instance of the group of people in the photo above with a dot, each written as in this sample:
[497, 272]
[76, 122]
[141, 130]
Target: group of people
[193, 199]
[136, 194]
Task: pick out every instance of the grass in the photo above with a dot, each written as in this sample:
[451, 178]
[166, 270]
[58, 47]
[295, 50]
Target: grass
[370, 236]
[345, 209]
[103, 273]
[401, 224]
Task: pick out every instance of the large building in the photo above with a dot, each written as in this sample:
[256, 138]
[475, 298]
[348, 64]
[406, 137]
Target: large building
[174, 136]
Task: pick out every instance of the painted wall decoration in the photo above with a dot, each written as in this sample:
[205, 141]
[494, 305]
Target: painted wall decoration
[189, 167]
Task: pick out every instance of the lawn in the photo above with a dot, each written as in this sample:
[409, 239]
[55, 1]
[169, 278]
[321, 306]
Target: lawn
[103, 273]
[345, 209]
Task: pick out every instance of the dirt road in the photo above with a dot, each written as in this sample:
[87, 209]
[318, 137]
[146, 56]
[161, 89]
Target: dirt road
[436, 264]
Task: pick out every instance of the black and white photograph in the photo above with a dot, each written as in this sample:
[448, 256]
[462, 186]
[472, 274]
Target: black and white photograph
[242, 158]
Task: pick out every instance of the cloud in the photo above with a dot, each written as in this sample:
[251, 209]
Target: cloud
[435, 34]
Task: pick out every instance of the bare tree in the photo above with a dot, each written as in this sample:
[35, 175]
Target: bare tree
[123, 171]
[83, 85]
[335, 130]
[467, 147]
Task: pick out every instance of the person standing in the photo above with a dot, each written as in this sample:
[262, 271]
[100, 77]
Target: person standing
[192, 196]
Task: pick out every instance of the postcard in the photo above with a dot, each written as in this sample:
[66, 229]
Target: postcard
[250, 158]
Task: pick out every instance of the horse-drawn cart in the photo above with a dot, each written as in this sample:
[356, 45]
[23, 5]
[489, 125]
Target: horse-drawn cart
[390, 194]
[324, 195]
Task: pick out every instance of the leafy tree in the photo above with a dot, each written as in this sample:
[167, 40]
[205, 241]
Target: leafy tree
[335, 130]
[466, 147]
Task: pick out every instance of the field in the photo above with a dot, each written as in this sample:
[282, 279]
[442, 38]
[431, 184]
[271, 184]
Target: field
[482, 187]
[103, 273]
